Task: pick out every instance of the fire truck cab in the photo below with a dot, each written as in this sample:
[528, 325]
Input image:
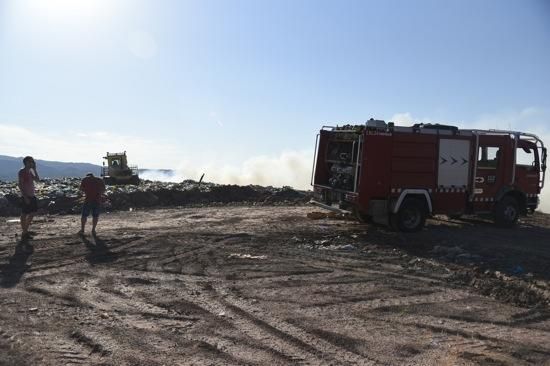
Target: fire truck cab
[401, 175]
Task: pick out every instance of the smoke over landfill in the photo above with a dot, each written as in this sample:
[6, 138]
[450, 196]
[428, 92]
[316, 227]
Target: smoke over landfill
[290, 168]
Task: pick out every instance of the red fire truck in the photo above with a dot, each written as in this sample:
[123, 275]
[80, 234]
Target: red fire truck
[400, 175]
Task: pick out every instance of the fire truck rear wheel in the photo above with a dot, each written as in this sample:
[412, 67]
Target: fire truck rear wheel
[411, 216]
[507, 212]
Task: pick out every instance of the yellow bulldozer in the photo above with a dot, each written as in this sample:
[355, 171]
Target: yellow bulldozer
[117, 170]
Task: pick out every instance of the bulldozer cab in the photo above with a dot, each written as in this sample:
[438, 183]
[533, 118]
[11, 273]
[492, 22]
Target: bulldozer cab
[116, 161]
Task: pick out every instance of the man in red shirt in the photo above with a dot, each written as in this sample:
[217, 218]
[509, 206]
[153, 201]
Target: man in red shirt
[93, 189]
[27, 176]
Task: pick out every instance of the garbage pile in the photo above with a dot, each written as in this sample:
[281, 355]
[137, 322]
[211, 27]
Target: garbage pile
[62, 196]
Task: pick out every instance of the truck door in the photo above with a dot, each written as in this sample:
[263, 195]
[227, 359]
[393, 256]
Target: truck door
[527, 168]
[489, 177]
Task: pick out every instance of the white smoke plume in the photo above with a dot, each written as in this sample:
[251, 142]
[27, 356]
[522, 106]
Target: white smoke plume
[290, 168]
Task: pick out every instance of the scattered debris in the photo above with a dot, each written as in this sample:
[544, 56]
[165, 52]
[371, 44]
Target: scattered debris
[505, 288]
[246, 256]
[332, 247]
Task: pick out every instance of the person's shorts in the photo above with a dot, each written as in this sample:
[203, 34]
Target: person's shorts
[29, 208]
[92, 207]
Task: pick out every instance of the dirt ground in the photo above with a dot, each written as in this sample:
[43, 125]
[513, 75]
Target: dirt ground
[269, 286]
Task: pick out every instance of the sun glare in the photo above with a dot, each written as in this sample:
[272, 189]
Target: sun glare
[69, 11]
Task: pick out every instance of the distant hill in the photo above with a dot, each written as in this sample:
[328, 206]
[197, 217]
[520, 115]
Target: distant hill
[9, 166]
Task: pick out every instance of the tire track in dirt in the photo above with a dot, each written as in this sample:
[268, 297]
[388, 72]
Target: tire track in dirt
[75, 349]
[8, 336]
[276, 342]
[539, 340]
[353, 262]
[140, 314]
[280, 349]
[332, 294]
[104, 315]
[409, 299]
[469, 346]
[321, 267]
[497, 342]
[72, 262]
[313, 345]
[179, 325]
[13, 350]
[50, 348]
[431, 297]
[224, 315]
[428, 285]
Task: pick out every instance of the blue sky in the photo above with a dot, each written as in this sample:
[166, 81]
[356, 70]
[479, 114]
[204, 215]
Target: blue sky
[230, 86]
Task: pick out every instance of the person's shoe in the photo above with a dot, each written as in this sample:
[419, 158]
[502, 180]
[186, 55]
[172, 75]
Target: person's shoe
[26, 236]
[80, 233]
[94, 233]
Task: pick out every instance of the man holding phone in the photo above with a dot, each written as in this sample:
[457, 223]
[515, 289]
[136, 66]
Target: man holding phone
[29, 205]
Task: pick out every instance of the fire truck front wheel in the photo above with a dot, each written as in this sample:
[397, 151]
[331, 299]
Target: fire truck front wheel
[507, 212]
[411, 216]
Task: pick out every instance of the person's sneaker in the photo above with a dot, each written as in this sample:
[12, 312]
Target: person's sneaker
[80, 233]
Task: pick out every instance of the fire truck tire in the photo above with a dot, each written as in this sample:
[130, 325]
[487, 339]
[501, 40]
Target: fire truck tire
[411, 216]
[507, 212]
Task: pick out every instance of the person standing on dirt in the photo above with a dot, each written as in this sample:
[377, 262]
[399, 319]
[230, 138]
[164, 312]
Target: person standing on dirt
[93, 189]
[29, 205]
